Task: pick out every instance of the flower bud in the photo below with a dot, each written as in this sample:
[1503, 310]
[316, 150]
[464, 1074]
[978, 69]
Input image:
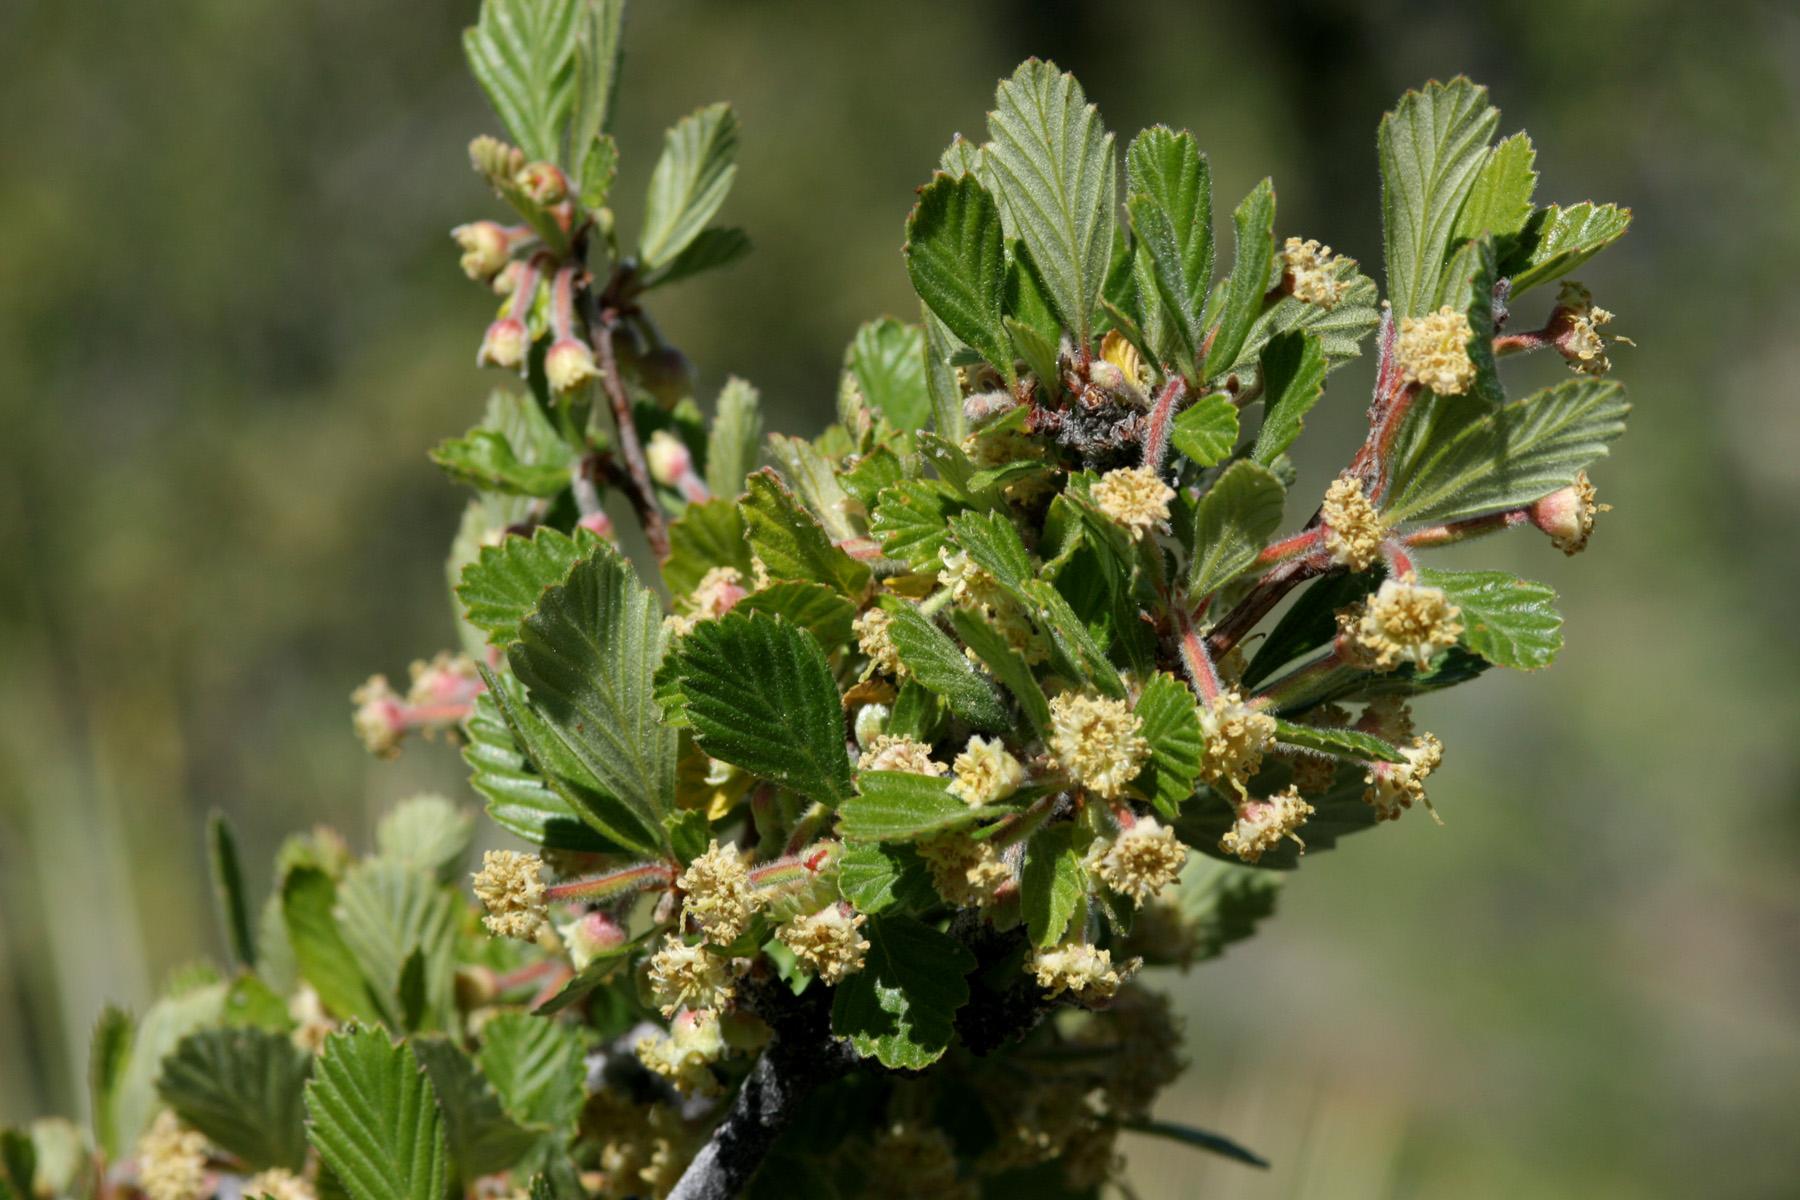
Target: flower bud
[486, 249]
[569, 365]
[504, 345]
[668, 458]
[589, 936]
[1567, 515]
[543, 182]
[600, 524]
[871, 719]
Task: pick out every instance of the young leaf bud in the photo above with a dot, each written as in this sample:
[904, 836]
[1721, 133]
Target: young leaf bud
[543, 182]
[1567, 515]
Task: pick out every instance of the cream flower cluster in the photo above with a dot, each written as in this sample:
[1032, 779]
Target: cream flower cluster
[684, 976]
[1393, 787]
[1079, 968]
[171, 1160]
[685, 1054]
[1312, 273]
[972, 588]
[874, 636]
[1142, 861]
[1433, 351]
[510, 886]
[1261, 824]
[986, 772]
[1097, 740]
[1353, 529]
[1236, 737]
[1403, 621]
[1135, 498]
[891, 752]
[965, 872]
[828, 941]
[718, 898]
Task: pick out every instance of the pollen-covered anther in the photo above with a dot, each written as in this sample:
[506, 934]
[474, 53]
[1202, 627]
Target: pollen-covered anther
[279, 1184]
[717, 895]
[1353, 529]
[1567, 515]
[684, 976]
[986, 772]
[1402, 622]
[684, 1055]
[828, 941]
[1433, 350]
[1135, 498]
[380, 718]
[569, 365]
[591, 935]
[1312, 273]
[1144, 860]
[891, 752]
[716, 594]
[1578, 322]
[171, 1160]
[1261, 824]
[965, 872]
[486, 249]
[448, 679]
[510, 886]
[1236, 737]
[875, 638]
[1097, 740]
[1393, 787]
[1079, 968]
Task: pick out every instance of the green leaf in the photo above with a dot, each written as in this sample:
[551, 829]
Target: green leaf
[1254, 222]
[481, 1138]
[900, 1007]
[1232, 524]
[427, 832]
[1346, 743]
[242, 1089]
[1225, 902]
[1053, 160]
[1036, 349]
[501, 587]
[1509, 621]
[514, 451]
[109, 1054]
[1557, 240]
[519, 799]
[1171, 209]
[536, 1066]
[1052, 886]
[1309, 624]
[587, 656]
[308, 904]
[1432, 148]
[1340, 328]
[731, 444]
[887, 360]
[375, 1119]
[1512, 455]
[917, 713]
[813, 474]
[782, 720]
[956, 258]
[883, 877]
[163, 1026]
[706, 535]
[1500, 201]
[899, 806]
[689, 183]
[1171, 724]
[812, 606]
[601, 967]
[1007, 665]
[791, 544]
[1074, 652]
[1207, 429]
[599, 47]
[911, 519]
[1293, 379]
[947, 415]
[938, 663]
[522, 53]
[387, 911]
[1199, 1139]
[228, 888]
[711, 249]
[994, 543]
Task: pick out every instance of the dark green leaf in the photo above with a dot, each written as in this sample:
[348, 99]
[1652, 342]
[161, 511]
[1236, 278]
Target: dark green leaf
[1007, 665]
[791, 544]
[899, 1008]
[879, 877]
[1207, 429]
[1509, 621]
[375, 1119]
[481, 1138]
[1432, 148]
[1347, 743]
[1171, 209]
[1232, 524]
[1053, 885]
[911, 520]
[1254, 221]
[938, 663]
[1225, 902]
[519, 800]
[1309, 624]
[1197, 1138]
[812, 606]
[242, 1089]
[706, 535]
[955, 255]
[109, 1053]
[1171, 724]
[782, 720]
[506, 582]
[1293, 379]
[711, 249]
[228, 888]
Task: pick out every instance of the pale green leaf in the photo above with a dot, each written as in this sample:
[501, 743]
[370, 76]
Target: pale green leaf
[731, 443]
[689, 183]
[1340, 328]
[599, 47]
[791, 543]
[242, 1089]
[900, 1007]
[1509, 621]
[109, 1055]
[812, 606]
[587, 656]
[1207, 429]
[1432, 148]
[515, 450]
[814, 475]
[164, 1024]
[428, 832]
[1254, 222]
[887, 360]
[535, 1064]
[1171, 724]
[899, 806]
[1053, 161]
[1557, 240]
[480, 1137]
[522, 53]
[938, 663]
[706, 535]
[955, 256]
[1512, 455]
[1170, 185]
[1052, 885]
[1500, 201]
[1345, 743]
[719, 246]
[911, 520]
[1232, 524]
[387, 911]
[783, 720]
[947, 415]
[375, 1119]
[324, 958]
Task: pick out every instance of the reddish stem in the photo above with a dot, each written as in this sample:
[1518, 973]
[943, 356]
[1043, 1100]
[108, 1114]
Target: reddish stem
[1162, 416]
[642, 494]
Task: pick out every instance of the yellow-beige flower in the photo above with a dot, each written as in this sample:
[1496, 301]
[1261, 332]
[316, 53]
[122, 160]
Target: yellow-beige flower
[1402, 622]
[510, 886]
[1433, 351]
[1098, 741]
[1261, 824]
[986, 772]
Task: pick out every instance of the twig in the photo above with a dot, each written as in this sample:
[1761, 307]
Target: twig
[640, 489]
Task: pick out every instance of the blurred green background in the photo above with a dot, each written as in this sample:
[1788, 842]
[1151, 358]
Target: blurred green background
[231, 324]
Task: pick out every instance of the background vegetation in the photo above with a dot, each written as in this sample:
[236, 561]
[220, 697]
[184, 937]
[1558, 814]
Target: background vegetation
[231, 324]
